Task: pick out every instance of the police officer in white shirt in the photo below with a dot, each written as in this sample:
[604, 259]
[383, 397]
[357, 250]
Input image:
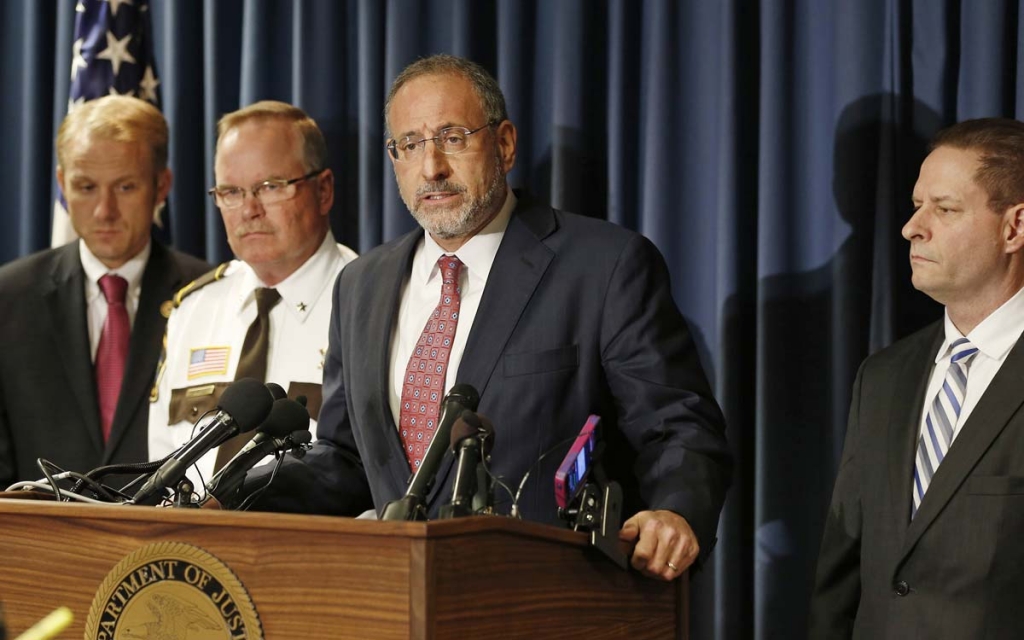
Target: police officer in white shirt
[274, 194]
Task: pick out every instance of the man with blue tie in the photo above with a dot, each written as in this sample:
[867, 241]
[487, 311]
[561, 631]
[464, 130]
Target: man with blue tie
[923, 536]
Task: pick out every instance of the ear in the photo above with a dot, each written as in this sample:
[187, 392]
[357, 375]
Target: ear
[506, 136]
[163, 185]
[60, 181]
[325, 191]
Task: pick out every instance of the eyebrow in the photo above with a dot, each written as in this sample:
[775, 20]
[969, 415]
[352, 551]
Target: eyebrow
[446, 125]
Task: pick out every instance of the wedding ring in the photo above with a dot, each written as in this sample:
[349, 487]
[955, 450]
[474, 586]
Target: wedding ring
[673, 567]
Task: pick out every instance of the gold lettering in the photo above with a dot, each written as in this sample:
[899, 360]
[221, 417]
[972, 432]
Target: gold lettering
[113, 610]
[170, 566]
[159, 573]
[228, 608]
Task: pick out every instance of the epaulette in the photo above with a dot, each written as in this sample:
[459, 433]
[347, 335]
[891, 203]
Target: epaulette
[210, 276]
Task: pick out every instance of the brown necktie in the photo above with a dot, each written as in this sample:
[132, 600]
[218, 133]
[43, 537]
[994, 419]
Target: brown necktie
[252, 363]
[112, 352]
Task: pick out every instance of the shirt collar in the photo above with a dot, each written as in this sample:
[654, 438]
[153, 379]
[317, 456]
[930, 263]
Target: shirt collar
[477, 253]
[995, 335]
[301, 291]
[95, 269]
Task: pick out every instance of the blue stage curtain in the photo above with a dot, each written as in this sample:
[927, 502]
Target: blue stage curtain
[767, 147]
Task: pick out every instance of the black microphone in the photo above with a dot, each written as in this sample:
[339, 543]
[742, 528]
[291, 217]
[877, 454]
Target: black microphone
[412, 505]
[472, 440]
[277, 391]
[286, 416]
[242, 407]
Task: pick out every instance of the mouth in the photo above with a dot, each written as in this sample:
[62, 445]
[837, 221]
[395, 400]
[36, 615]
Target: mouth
[438, 197]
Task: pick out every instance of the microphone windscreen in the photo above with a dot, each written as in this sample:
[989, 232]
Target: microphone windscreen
[277, 390]
[472, 425]
[466, 395]
[486, 433]
[248, 402]
[285, 417]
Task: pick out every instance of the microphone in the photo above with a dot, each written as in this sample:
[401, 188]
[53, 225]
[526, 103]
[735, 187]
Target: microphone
[286, 416]
[243, 405]
[472, 440]
[412, 505]
[277, 391]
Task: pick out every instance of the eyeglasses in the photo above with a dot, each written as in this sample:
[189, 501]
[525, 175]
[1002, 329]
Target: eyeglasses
[267, 192]
[450, 141]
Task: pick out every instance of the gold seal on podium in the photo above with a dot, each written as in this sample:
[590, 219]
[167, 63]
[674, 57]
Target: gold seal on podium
[175, 591]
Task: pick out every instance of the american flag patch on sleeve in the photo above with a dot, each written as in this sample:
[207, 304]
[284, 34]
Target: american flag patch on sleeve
[208, 361]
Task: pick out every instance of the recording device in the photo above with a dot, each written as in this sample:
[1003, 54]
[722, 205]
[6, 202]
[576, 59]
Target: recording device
[280, 431]
[575, 468]
[472, 440]
[243, 406]
[586, 498]
[412, 506]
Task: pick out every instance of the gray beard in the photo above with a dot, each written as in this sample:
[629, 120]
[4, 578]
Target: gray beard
[463, 220]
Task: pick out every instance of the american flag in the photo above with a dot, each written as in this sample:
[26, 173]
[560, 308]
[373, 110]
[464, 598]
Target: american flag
[208, 361]
[112, 53]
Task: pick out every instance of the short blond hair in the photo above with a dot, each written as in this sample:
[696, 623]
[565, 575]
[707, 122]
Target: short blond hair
[314, 147]
[118, 119]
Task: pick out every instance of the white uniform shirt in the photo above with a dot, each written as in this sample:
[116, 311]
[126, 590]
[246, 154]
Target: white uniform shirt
[994, 337]
[205, 335]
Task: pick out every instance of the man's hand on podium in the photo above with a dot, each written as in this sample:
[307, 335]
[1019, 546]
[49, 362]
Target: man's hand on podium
[665, 544]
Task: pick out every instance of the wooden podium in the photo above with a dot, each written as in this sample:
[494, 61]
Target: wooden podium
[313, 577]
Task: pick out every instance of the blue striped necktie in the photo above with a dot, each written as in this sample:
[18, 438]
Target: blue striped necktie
[941, 420]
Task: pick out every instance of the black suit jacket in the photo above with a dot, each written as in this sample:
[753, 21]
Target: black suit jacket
[577, 318]
[956, 570]
[48, 405]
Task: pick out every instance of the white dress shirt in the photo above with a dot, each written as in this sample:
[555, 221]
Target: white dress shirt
[994, 337]
[96, 303]
[422, 291]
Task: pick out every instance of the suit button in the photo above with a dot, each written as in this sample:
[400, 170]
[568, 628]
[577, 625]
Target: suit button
[901, 588]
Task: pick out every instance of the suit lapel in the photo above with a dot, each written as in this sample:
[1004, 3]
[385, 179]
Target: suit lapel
[1002, 399]
[392, 274]
[160, 279]
[518, 267]
[908, 397]
[65, 300]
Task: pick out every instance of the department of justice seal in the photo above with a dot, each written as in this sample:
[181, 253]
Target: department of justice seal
[172, 591]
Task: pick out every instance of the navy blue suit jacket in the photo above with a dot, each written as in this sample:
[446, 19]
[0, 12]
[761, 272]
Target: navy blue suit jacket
[48, 405]
[577, 317]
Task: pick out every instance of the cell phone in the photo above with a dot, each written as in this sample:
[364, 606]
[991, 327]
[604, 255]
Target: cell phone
[572, 473]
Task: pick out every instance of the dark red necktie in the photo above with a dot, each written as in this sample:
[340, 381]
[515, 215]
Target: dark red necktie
[423, 387]
[112, 352]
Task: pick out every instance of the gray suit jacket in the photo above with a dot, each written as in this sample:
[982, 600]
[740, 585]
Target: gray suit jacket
[48, 405]
[957, 570]
[577, 317]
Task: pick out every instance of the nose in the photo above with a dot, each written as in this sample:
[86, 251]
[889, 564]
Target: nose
[434, 165]
[106, 207]
[251, 207]
[915, 228]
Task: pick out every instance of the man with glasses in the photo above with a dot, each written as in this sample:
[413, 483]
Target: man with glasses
[549, 315]
[264, 315]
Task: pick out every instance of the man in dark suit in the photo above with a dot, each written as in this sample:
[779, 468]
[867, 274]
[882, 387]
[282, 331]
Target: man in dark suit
[75, 376]
[550, 316]
[923, 537]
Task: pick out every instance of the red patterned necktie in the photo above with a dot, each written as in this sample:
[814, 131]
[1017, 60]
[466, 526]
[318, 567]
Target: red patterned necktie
[423, 387]
[112, 352]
